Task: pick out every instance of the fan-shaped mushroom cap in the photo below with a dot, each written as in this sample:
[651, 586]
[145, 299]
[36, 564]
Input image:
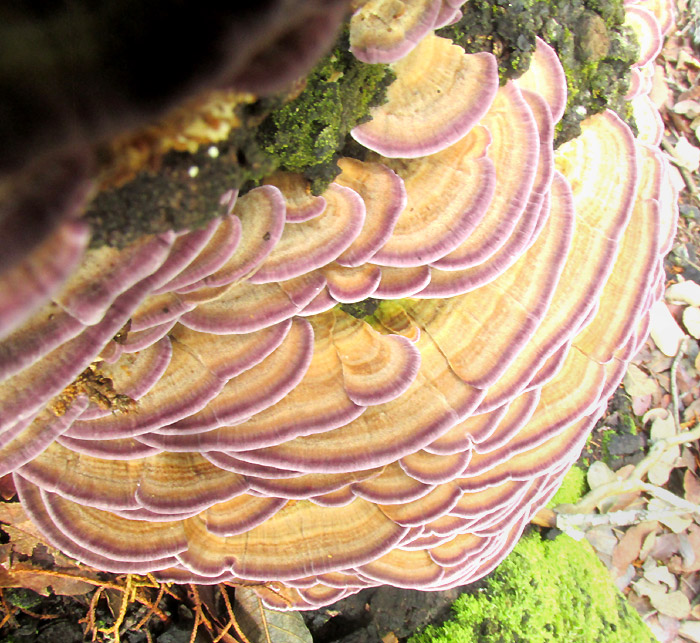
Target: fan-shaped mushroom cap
[29, 283]
[349, 285]
[384, 196]
[262, 215]
[438, 95]
[663, 10]
[514, 151]
[308, 245]
[448, 194]
[546, 77]
[301, 205]
[383, 31]
[647, 30]
[246, 307]
[221, 244]
[649, 122]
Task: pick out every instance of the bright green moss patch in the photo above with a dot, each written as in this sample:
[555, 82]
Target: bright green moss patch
[572, 488]
[546, 591]
[307, 134]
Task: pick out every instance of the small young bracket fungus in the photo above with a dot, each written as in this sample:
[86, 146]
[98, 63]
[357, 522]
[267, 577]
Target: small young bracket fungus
[383, 31]
[198, 407]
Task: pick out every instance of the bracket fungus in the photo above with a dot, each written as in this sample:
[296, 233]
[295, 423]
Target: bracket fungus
[202, 405]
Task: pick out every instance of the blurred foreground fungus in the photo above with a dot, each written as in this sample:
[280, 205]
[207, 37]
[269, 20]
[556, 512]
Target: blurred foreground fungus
[380, 384]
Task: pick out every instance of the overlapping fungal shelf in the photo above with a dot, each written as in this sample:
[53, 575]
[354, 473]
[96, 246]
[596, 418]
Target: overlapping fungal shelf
[198, 405]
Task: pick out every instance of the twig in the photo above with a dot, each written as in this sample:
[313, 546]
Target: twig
[127, 597]
[674, 384]
[8, 609]
[633, 482]
[199, 617]
[232, 619]
[569, 523]
[151, 610]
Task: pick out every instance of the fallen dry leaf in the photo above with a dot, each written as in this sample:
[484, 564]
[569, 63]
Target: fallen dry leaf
[691, 320]
[660, 574]
[24, 536]
[57, 581]
[640, 603]
[662, 631]
[647, 545]
[261, 624]
[684, 292]
[691, 564]
[641, 404]
[674, 604]
[602, 539]
[664, 329]
[687, 155]
[688, 108]
[638, 383]
[629, 547]
[7, 487]
[690, 630]
[644, 587]
[691, 484]
[666, 545]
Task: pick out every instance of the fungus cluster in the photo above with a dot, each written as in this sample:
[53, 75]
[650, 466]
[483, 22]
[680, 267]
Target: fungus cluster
[202, 405]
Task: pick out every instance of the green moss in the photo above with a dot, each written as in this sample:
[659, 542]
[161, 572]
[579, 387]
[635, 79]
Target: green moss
[545, 591]
[307, 134]
[628, 423]
[605, 440]
[23, 598]
[595, 49]
[361, 309]
[572, 488]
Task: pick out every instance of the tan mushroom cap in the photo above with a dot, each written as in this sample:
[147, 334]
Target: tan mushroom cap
[262, 214]
[447, 196]
[27, 285]
[482, 332]
[254, 389]
[647, 30]
[426, 110]
[294, 541]
[349, 285]
[247, 307]
[648, 119]
[514, 151]
[131, 484]
[383, 31]
[593, 246]
[663, 10]
[107, 272]
[219, 248]
[384, 196]
[311, 244]
[301, 205]
[545, 76]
